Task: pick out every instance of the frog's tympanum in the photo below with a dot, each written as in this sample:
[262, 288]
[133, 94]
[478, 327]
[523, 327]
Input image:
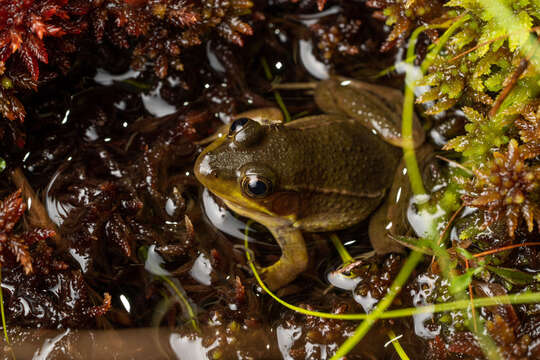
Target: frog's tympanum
[317, 173]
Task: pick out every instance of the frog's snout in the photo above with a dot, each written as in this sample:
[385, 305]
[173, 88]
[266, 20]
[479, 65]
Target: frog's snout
[203, 167]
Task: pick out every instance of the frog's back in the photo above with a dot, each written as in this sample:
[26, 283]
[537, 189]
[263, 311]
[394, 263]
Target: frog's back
[341, 171]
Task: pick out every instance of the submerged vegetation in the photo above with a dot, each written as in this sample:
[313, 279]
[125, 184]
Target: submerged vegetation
[97, 194]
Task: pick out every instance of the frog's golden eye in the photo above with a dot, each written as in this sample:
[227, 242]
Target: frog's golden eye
[237, 125]
[256, 186]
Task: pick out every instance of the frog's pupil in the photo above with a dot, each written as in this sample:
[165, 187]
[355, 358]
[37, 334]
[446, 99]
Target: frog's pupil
[237, 124]
[257, 187]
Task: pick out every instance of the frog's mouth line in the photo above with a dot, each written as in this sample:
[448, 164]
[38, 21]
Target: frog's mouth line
[230, 195]
[266, 218]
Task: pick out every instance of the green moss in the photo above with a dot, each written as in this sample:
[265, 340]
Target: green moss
[476, 66]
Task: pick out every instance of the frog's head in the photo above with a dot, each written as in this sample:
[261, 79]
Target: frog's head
[240, 168]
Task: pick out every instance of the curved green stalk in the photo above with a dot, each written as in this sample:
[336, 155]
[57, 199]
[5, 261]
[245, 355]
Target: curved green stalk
[184, 300]
[524, 298]
[430, 57]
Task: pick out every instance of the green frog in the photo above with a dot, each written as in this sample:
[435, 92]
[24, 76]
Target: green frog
[314, 174]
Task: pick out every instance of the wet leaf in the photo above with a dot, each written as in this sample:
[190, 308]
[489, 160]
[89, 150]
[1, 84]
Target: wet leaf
[467, 255]
[461, 282]
[513, 276]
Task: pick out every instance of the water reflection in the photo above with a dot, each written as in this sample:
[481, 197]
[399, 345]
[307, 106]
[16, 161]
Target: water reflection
[286, 338]
[224, 220]
[315, 67]
[190, 347]
[426, 286]
[155, 104]
[201, 270]
[56, 210]
[103, 77]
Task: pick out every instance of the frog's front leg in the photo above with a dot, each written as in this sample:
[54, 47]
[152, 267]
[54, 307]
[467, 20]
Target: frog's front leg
[294, 258]
[293, 261]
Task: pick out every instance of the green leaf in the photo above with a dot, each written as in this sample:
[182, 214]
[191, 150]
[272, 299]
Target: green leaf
[473, 115]
[430, 95]
[521, 34]
[442, 105]
[513, 276]
[412, 243]
[462, 38]
[490, 32]
[494, 82]
[2, 164]
[460, 283]
[467, 255]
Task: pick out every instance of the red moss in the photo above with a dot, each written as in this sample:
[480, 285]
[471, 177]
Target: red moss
[529, 130]
[164, 28]
[16, 245]
[404, 16]
[506, 190]
[100, 310]
[336, 37]
[24, 24]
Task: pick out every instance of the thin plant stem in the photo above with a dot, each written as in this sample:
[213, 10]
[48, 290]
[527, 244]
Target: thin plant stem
[509, 87]
[447, 227]
[455, 163]
[346, 258]
[4, 322]
[411, 77]
[409, 156]
[522, 298]
[276, 93]
[472, 299]
[184, 300]
[505, 248]
[395, 342]
[371, 318]
[488, 42]
[430, 57]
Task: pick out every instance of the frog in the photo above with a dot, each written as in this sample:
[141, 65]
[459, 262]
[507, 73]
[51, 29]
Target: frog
[318, 173]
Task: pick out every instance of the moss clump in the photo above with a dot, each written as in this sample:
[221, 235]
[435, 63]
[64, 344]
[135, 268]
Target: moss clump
[489, 69]
[155, 32]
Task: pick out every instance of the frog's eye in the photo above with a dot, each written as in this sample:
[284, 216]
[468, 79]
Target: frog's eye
[256, 186]
[237, 125]
[250, 134]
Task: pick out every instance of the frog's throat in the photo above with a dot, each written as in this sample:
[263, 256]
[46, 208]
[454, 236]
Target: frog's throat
[270, 221]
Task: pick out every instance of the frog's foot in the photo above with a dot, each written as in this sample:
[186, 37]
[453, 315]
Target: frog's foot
[293, 261]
